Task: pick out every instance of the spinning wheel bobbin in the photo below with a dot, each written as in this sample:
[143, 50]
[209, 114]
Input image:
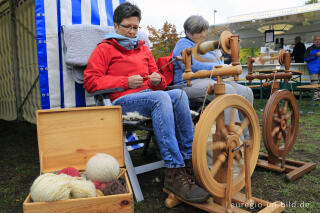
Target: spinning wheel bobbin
[204, 47]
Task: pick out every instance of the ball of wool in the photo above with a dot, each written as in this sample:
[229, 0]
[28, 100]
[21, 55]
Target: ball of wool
[70, 171]
[81, 188]
[102, 168]
[114, 187]
[51, 187]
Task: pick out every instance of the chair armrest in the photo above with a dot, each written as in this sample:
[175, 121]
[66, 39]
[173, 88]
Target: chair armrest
[105, 91]
[101, 97]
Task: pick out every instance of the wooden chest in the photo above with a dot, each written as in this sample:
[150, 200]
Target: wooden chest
[69, 137]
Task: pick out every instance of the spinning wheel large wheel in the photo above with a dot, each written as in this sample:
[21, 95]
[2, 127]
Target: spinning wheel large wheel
[280, 123]
[214, 137]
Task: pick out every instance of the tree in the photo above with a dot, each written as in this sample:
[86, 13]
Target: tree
[245, 52]
[163, 40]
[311, 2]
[308, 15]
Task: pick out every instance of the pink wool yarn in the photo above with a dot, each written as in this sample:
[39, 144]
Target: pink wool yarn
[99, 185]
[70, 171]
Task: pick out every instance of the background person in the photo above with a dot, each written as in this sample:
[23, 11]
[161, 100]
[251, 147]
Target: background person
[312, 57]
[196, 28]
[121, 61]
[299, 50]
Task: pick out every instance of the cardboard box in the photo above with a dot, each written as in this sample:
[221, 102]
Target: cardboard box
[69, 137]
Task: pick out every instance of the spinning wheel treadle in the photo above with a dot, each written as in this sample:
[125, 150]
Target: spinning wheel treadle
[212, 173]
[280, 123]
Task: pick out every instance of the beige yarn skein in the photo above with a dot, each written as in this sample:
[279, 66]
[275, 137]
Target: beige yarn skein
[102, 168]
[51, 187]
[82, 188]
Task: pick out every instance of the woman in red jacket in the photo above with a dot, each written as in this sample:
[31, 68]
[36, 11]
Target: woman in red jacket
[123, 61]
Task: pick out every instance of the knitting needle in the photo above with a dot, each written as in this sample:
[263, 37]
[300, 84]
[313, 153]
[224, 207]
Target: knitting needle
[122, 172]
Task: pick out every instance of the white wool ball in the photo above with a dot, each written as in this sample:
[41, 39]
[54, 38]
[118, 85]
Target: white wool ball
[51, 187]
[81, 188]
[102, 168]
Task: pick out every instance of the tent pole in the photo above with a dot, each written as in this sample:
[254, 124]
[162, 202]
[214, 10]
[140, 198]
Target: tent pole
[29, 92]
[14, 57]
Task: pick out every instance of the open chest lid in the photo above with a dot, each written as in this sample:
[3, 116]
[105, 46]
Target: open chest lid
[70, 137]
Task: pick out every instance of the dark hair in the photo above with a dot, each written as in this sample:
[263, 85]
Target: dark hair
[125, 10]
[195, 24]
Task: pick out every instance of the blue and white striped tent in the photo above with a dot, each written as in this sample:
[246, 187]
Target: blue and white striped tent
[52, 68]
[31, 47]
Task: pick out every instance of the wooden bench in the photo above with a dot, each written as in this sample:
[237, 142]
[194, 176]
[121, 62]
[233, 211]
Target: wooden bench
[312, 88]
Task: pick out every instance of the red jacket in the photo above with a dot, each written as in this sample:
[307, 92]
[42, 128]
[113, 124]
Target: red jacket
[110, 65]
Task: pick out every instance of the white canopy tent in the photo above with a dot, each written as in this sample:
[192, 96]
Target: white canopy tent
[32, 69]
[288, 23]
[303, 21]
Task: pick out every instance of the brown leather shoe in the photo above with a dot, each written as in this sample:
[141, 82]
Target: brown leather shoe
[189, 168]
[181, 183]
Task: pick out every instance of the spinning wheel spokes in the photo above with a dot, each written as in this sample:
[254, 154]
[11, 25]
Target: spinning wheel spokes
[219, 145]
[215, 137]
[276, 118]
[285, 107]
[233, 116]
[243, 125]
[288, 115]
[221, 126]
[275, 131]
[217, 165]
[280, 123]
[238, 158]
[278, 111]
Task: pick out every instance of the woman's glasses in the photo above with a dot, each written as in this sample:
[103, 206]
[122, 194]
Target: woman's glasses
[134, 28]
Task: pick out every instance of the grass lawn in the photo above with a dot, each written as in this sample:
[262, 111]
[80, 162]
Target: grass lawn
[19, 165]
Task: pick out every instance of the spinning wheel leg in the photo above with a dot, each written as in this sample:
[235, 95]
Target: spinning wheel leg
[172, 200]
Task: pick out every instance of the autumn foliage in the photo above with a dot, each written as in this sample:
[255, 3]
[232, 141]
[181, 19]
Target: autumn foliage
[163, 40]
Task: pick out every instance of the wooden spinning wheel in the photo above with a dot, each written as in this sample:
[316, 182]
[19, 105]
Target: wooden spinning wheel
[280, 123]
[224, 152]
[219, 139]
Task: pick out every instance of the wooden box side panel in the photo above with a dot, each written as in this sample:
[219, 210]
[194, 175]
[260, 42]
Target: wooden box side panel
[69, 137]
[105, 204]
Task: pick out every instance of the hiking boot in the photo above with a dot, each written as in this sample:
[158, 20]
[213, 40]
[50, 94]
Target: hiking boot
[189, 167]
[179, 181]
[188, 163]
